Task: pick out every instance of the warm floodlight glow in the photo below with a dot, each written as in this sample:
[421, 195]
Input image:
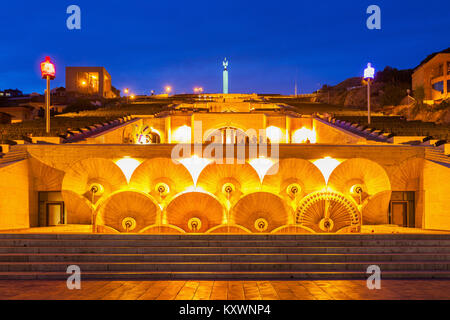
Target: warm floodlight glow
[195, 165]
[274, 134]
[128, 165]
[126, 90]
[261, 166]
[326, 166]
[369, 72]
[168, 89]
[304, 135]
[132, 97]
[182, 134]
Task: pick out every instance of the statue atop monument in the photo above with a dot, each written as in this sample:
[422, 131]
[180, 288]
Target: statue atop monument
[225, 76]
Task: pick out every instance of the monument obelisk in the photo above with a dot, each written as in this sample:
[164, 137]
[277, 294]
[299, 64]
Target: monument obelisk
[225, 76]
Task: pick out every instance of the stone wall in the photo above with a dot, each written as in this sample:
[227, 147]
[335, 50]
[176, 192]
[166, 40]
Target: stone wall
[17, 203]
[436, 183]
[327, 133]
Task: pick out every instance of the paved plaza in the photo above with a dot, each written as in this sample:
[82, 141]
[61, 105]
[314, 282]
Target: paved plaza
[227, 290]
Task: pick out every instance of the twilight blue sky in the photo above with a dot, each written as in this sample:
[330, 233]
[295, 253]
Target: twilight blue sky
[148, 44]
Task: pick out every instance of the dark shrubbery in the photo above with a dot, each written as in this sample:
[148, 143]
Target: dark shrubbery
[443, 105]
[393, 94]
[394, 76]
[81, 104]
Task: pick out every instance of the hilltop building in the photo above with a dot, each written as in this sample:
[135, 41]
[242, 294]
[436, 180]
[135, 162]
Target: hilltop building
[433, 75]
[89, 81]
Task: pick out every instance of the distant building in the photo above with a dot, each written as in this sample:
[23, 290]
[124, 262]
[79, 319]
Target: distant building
[11, 93]
[95, 81]
[433, 74]
[58, 92]
[19, 113]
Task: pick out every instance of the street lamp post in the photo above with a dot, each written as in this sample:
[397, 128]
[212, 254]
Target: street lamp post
[369, 75]
[48, 73]
[126, 92]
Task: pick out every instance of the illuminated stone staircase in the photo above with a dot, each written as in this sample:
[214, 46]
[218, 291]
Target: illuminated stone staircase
[227, 257]
[16, 153]
[437, 155]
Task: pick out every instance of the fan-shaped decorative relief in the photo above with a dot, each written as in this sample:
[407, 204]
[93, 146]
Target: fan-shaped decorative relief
[292, 228]
[363, 172]
[229, 181]
[128, 211]
[85, 174]
[163, 229]
[161, 177]
[406, 176]
[79, 209]
[263, 207]
[375, 210]
[225, 229]
[194, 212]
[294, 178]
[45, 177]
[327, 211]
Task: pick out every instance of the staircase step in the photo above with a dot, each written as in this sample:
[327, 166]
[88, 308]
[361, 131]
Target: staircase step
[131, 256]
[225, 266]
[142, 276]
[223, 243]
[226, 250]
[231, 258]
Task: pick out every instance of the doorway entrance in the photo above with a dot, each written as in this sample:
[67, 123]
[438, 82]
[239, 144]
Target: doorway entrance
[402, 209]
[52, 211]
[55, 213]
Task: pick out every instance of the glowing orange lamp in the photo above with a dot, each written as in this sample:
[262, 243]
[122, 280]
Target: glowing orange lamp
[48, 69]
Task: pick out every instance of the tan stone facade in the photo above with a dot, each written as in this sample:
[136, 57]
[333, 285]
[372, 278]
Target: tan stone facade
[298, 174]
[434, 77]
